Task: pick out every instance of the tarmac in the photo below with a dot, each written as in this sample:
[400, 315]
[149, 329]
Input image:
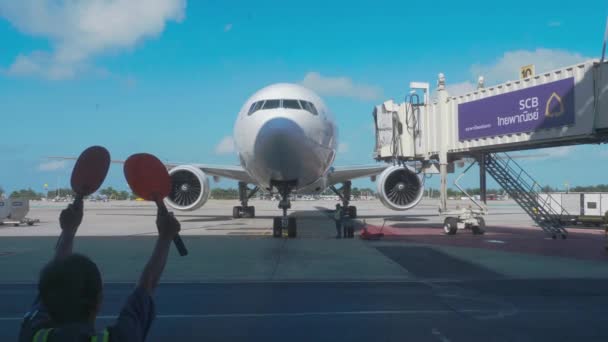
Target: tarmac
[239, 283]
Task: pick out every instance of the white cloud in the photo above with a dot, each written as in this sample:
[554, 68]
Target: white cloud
[558, 152]
[52, 165]
[545, 153]
[342, 148]
[81, 30]
[507, 66]
[554, 24]
[228, 27]
[340, 86]
[225, 146]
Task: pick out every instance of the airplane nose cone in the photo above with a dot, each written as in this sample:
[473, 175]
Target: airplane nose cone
[281, 148]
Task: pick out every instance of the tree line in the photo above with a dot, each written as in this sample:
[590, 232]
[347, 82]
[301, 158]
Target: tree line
[232, 193]
[31, 194]
[434, 193]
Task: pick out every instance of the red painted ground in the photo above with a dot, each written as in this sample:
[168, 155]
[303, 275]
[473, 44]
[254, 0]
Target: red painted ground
[580, 244]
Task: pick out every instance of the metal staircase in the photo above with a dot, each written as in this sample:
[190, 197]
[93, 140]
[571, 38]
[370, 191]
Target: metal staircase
[524, 190]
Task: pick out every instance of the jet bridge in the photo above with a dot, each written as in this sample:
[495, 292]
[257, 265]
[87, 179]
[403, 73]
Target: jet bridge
[567, 106]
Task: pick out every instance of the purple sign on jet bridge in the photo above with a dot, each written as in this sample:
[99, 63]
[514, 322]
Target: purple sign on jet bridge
[543, 106]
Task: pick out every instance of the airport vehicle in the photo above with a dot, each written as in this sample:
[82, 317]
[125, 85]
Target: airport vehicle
[576, 207]
[13, 211]
[286, 140]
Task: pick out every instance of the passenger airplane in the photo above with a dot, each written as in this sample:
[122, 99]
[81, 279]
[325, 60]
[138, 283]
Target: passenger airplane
[286, 141]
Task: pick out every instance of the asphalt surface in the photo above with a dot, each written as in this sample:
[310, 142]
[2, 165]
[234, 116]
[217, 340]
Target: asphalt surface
[416, 284]
[481, 310]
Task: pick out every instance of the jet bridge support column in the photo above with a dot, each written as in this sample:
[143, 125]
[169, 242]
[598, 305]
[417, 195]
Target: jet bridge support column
[442, 99]
[443, 190]
[482, 178]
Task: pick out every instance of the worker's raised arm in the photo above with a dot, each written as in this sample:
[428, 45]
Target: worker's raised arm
[168, 227]
[69, 221]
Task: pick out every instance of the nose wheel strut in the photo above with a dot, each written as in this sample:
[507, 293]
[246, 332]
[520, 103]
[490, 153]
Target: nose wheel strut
[284, 222]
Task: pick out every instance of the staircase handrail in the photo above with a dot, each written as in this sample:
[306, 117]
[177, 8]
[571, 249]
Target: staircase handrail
[542, 202]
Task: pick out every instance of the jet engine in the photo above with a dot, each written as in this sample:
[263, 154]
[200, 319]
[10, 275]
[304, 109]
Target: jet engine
[189, 188]
[400, 188]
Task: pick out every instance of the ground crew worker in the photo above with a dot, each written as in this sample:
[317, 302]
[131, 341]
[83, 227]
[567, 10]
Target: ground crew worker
[606, 229]
[338, 218]
[70, 291]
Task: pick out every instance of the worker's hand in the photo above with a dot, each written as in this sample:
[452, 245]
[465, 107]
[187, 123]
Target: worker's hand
[168, 226]
[71, 217]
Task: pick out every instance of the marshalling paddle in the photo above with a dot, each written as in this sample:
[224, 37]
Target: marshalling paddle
[89, 173]
[148, 178]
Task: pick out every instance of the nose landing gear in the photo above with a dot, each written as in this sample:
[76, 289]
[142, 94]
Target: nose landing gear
[284, 222]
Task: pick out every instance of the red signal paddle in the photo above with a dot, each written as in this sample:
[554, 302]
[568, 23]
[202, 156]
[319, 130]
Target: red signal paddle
[148, 178]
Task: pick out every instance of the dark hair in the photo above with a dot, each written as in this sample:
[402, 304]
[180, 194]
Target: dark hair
[70, 288]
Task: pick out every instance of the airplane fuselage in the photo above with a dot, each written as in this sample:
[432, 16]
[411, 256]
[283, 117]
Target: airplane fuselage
[284, 133]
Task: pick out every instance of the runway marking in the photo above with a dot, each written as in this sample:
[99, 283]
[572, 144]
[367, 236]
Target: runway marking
[283, 314]
[324, 313]
[495, 241]
[292, 281]
[439, 335]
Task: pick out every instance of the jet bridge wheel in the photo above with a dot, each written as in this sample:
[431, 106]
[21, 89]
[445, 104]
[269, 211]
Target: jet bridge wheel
[292, 229]
[479, 229]
[277, 230]
[450, 225]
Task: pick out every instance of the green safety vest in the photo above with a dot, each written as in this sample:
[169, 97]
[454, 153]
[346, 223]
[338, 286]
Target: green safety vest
[338, 214]
[43, 334]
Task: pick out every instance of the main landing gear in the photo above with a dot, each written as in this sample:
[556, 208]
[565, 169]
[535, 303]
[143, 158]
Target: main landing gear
[284, 222]
[345, 195]
[245, 194]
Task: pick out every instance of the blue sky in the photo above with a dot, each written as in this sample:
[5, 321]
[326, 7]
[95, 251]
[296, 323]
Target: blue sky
[168, 76]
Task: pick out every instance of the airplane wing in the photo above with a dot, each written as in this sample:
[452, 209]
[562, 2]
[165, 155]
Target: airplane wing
[235, 172]
[341, 174]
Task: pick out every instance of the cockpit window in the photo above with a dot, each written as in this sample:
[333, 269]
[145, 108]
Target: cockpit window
[291, 104]
[271, 104]
[308, 106]
[255, 107]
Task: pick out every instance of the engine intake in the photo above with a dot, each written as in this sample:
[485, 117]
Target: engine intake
[189, 188]
[400, 188]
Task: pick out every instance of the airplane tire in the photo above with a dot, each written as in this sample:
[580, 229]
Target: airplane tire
[292, 230]
[277, 230]
[236, 212]
[352, 211]
[450, 225]
[248, 212]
